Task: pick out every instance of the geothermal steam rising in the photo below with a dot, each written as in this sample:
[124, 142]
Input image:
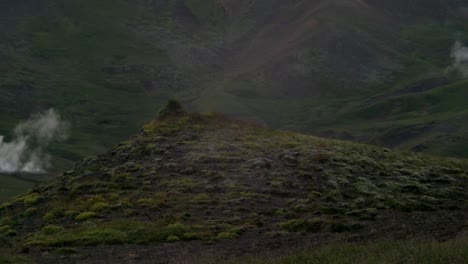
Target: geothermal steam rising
[459, 56]
[26, 152]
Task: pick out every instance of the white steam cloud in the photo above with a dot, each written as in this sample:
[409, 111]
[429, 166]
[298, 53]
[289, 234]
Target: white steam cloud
[27, 151]
[459, 57]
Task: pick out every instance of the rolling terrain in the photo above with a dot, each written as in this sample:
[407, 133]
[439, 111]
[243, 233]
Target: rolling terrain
[327, 67]
[370, 71]
[189, 184]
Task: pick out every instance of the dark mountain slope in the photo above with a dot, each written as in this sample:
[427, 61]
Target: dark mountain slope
[204, 177]
[311, 66]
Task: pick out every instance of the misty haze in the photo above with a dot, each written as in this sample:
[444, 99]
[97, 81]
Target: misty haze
[27, 151]
[234, 131]
[460, 58]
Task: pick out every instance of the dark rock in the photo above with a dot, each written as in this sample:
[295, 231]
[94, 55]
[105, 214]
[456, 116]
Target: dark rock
[172, 109]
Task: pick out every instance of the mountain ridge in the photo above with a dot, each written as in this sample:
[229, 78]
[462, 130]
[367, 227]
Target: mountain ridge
[250, 57]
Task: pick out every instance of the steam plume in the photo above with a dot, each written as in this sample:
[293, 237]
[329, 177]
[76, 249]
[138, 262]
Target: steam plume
[459, 57]
[27, 151]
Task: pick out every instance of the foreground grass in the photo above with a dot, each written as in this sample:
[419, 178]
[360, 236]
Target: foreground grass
[452, 251]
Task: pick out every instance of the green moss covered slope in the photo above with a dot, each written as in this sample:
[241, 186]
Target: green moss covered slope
[205, 177]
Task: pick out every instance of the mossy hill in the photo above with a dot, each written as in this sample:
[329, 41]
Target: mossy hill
[190, 179]
[372, 71]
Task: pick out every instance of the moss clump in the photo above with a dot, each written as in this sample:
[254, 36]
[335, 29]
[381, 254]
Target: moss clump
[172, 238]
[100, 206]
[85, 216]
[150, 202]
[299, 225]
[201, 197]
[52, 229]
[172, 109]
[53, 214]
[122, 178]
[30, 211]
[6, 221]
[118, 232]
[5, 205]
[191, 236]
[414, 206]
[178, 228]
[29, 200]
[7, 231]
[91, 237]
[69, 213]
[365, 214]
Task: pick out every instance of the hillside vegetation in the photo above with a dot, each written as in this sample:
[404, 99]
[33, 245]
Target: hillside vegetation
[187, 181]
[334, 68]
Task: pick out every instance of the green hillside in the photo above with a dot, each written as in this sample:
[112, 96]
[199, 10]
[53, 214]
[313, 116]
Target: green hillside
[187, 181]
[105, 65]
[370, 71]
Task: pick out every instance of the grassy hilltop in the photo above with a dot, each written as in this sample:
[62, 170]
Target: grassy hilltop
[200, 182]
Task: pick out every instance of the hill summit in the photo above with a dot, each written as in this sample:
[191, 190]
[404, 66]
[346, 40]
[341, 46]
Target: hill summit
[190, 179]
